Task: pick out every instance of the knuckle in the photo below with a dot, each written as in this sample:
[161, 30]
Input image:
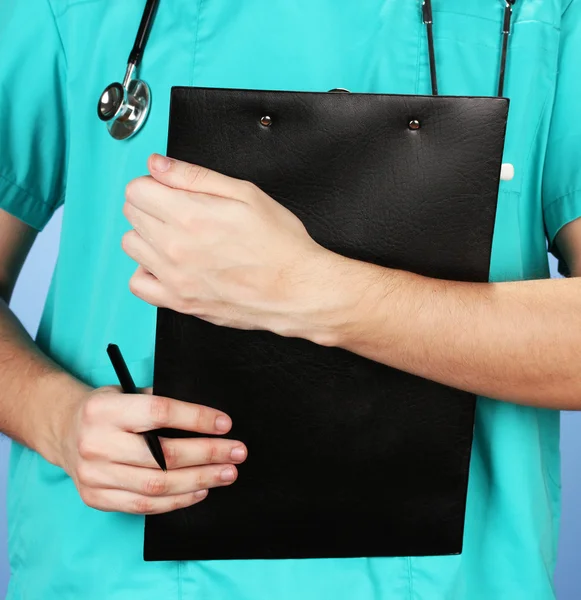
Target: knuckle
[126, 209]
[138, 186]
[86, 448]
[84, 473]
[195, 173]
[175, 251]
[129, 211]
[250, 190]
[128, 239]
[181, 502]
[141, 505]
[159, 411]
[134, 285]
[185, 292]
[171, 454]
[184, 306]
[196, 416]
[249, 186]
[133, 188]
[196, 499]
[178, 281]
[154, 486]
[125, 241]
[210, 452]
[88, 496]
[190, 219]
[201, 480]
[91, 410]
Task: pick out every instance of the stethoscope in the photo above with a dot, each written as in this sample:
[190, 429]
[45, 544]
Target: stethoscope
[124, 107]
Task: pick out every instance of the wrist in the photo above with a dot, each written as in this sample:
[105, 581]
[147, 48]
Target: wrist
[347, 294]
[52, 420]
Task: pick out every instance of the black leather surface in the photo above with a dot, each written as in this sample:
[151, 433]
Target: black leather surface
[347, 457]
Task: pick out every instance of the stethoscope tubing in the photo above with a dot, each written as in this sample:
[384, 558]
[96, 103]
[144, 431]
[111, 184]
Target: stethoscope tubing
[124, 107]
[142, 36]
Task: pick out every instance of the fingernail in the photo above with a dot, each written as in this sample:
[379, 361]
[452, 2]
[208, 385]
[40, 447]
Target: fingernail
[160, 163]
[223, 423]
[201, 494]
[228, 474]
[238, 453]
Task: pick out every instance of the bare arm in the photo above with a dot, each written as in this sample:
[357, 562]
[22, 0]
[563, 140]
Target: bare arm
[518, 341]
[35, 390]
[93, 434]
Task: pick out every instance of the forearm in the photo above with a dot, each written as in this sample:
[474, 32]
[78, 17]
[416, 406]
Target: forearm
[35, 392]
[518, 342]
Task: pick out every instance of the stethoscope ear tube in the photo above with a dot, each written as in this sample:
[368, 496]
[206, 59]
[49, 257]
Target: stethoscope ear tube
[428, 22]
[505, 34]
[427, 17]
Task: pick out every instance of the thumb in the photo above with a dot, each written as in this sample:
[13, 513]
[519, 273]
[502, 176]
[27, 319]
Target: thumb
[194, 178]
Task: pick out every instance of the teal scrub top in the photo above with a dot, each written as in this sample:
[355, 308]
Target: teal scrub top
[58, 55]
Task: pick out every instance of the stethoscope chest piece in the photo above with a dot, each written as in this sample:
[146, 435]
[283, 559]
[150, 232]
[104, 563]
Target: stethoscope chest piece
[124, 107]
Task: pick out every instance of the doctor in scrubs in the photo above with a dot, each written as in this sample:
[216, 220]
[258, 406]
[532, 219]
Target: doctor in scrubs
[140, 231]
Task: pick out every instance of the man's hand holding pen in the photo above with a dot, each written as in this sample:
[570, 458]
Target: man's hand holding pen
[113, 468]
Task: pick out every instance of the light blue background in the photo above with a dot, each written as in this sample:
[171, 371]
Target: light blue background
[28, 301]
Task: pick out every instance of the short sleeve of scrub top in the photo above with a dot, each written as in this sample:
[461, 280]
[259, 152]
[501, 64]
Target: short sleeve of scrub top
[32, 112]
[562, 172]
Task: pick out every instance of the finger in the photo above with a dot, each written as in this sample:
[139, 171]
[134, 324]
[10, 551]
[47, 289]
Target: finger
[153, 482]
[141, 252]
[157, 200]
[152, 230]
[145, 285]
[176, 208]
[140, 412]
[128, 502]
[131, 449]
[194, 178]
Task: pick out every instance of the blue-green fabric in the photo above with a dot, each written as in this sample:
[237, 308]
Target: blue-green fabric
[57, 56]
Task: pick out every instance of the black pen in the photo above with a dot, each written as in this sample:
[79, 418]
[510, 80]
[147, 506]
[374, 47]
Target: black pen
[128, 386]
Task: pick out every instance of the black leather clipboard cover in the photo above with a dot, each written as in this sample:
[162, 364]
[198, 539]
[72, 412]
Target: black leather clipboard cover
[347, 457]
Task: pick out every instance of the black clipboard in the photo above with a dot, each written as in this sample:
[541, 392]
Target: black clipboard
[347, 457]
